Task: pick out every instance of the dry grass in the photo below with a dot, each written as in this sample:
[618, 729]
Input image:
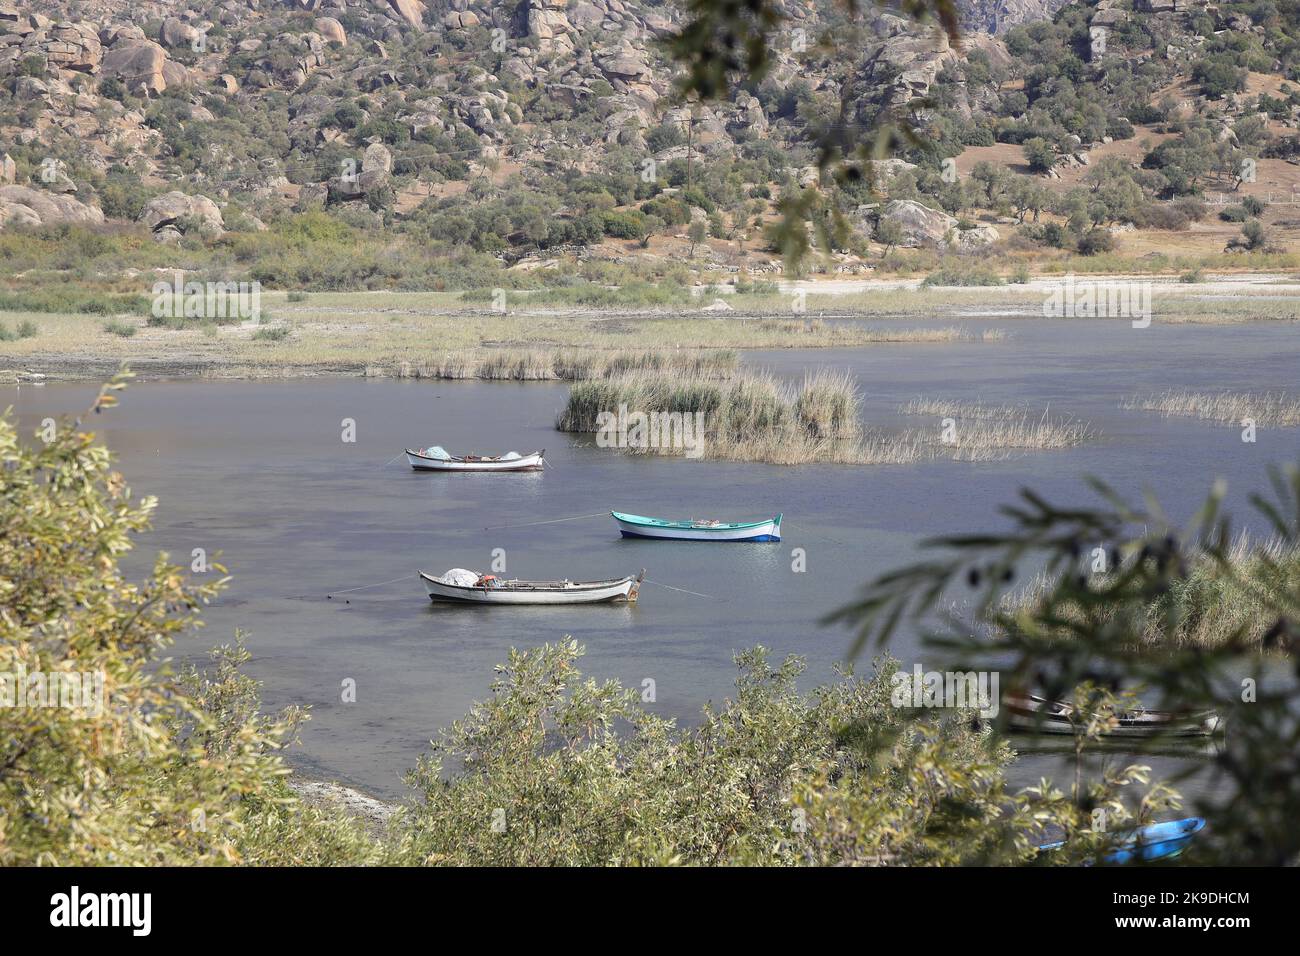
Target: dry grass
[568, 365]
[384, 333]
[752, 416]
[980, 432]
[1230, 408]
[748, 416]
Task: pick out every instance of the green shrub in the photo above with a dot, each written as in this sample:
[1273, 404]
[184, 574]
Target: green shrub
[961, 275]
[123, 329]
[624, 225]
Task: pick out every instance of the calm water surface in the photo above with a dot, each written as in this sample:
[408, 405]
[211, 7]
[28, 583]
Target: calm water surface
[258, 472]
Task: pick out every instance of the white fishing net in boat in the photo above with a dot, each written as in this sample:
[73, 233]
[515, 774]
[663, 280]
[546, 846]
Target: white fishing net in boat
[511, 455]
[460, 578]
[437, 451]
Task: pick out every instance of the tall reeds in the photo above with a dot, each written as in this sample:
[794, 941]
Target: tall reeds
[1274, 409]
[973, 431]
[753, 416]
[566, 365]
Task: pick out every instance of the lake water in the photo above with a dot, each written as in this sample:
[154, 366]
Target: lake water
[258, 472]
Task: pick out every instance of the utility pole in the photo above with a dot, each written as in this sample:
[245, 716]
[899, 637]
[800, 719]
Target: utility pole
[690, 131]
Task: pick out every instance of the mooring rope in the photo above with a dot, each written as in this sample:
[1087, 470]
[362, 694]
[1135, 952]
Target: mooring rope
[528, 524]
[366, 587]
[683, 590]
[393, 459]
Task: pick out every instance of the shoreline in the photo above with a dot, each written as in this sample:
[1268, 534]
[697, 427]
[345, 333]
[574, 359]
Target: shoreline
[384, 334]
[373, 812]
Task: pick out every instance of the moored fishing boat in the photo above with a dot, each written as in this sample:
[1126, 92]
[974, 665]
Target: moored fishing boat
[469, 587]
[1159, 841]
[639, 526]
[436, 459]
[1032, 714]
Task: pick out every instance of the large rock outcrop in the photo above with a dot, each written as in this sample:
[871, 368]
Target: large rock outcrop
[999, 16]
[932, 228]
[172, 212]
[331, 30]
[411, 11]
[25, 206]
[137, 63]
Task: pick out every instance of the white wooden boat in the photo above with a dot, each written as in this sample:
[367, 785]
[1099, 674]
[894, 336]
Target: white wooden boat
[435, 459]
[638, 526]
[469, 587]
[1032, 714]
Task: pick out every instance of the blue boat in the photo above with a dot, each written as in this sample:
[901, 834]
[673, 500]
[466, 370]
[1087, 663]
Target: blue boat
[639, 526]
[1159, 841]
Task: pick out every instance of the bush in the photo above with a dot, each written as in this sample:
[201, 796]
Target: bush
[624, 225]
[1167, 216]
[121, 782]
[961, 275]
[25, 329]
[1040, 154]
[70, 299]
[1096, 240]
[123, 329]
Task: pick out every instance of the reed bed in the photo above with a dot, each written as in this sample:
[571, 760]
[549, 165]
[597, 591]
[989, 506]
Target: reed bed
[566, 365]
[983, 432]
[1230, 408]
[752, 416]
[749, 416]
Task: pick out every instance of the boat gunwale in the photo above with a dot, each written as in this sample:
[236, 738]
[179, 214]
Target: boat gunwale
[646, 521]
[1019, 706]
[454, 459]
[562, 587]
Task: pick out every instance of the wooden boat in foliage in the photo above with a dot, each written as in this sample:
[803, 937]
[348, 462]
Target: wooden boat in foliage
[1159, 841]
[639, 526]
[1032, 714]
[469, 587]
[436, 459]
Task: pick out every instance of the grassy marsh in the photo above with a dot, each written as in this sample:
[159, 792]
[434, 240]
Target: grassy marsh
[753, 416]
[384, 333]
[1273, 409]
[974, 431]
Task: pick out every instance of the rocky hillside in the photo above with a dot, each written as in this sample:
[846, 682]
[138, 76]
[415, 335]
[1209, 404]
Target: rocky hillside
[999, 16]
[535, 124]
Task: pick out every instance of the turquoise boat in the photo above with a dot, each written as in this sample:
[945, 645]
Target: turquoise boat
[639, 526]
[1159, 841]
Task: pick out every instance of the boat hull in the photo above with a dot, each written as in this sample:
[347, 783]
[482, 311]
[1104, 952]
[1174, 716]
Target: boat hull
[1026, 715]
[618, 591]
[530, 462]
[1158, 841]
[633, 526]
